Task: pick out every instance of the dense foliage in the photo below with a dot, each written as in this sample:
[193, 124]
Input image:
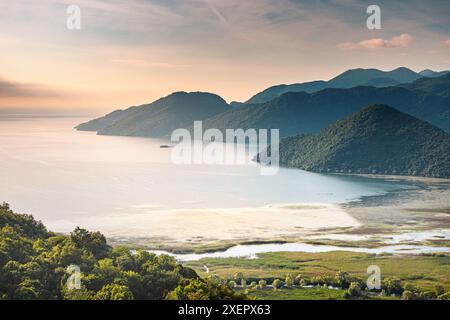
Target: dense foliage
[34, 265]
[378, 139]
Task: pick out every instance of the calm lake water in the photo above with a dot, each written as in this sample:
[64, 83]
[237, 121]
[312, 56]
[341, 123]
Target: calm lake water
[63, 177]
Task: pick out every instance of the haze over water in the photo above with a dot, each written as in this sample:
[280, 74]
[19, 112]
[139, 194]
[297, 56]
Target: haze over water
[65, 178]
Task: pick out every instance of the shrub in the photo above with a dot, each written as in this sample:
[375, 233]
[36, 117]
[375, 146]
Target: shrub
[276, 284]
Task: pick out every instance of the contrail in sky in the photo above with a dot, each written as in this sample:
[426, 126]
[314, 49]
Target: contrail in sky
[217, 12]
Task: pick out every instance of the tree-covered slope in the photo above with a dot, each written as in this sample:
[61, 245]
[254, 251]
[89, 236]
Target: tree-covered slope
[377, 139]
[437, 85]
[296, 113]
[160, 118]
[34, 265]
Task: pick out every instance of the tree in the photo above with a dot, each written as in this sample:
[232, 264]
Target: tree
[262, 284]
[392, 286]
[354, 290]
[114, 292]
[93, 242]
[203, 289]
[408, 295]
[342, 279]
[298, 279]
[276, 284]
[289, 282]
[243, 283]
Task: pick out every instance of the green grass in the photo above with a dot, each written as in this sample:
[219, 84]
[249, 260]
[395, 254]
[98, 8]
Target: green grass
[298, 294]
[422, 271]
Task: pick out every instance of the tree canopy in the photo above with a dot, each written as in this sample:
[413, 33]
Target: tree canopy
[34, 265]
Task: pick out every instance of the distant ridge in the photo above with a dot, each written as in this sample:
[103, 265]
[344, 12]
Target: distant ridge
[432, 74]
[347, 79]
[376, 140]
[436, 85]
[159, 118]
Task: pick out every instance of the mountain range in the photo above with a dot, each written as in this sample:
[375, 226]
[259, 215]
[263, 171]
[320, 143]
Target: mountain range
[293, 112]
[300, 112]
[375, 140]
[348, 79]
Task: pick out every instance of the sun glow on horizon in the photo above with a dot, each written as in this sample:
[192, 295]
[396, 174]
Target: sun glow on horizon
[131, 53]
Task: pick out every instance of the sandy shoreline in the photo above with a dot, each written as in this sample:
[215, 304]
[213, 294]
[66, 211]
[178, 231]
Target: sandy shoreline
[363, 222]
[231, 224]
[426, 208]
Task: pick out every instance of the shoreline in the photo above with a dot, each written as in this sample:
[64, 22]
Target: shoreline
[422, 209]
[387, 177]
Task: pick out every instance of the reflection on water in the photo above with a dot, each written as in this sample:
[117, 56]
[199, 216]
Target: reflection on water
[56, 173]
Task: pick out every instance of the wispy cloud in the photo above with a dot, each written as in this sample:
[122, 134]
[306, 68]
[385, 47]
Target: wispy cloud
[402, 41]
[10, 89]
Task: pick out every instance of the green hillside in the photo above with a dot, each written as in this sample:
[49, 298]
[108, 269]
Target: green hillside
[34, 266]
[297, 113]
[377, 139]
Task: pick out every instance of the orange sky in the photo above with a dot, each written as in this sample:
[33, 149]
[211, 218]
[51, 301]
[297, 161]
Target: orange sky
[133, 52]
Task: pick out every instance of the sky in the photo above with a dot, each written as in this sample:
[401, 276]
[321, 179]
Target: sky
[131, 52]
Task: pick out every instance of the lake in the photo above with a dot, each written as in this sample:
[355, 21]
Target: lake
[129, 187]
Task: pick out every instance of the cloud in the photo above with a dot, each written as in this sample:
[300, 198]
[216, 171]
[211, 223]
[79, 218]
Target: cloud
[402, 41]
[447, 42]
[9, 89]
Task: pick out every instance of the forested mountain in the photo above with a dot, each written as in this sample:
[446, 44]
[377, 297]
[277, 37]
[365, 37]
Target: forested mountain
[160, 118]
[295, 113]
[377, 139]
